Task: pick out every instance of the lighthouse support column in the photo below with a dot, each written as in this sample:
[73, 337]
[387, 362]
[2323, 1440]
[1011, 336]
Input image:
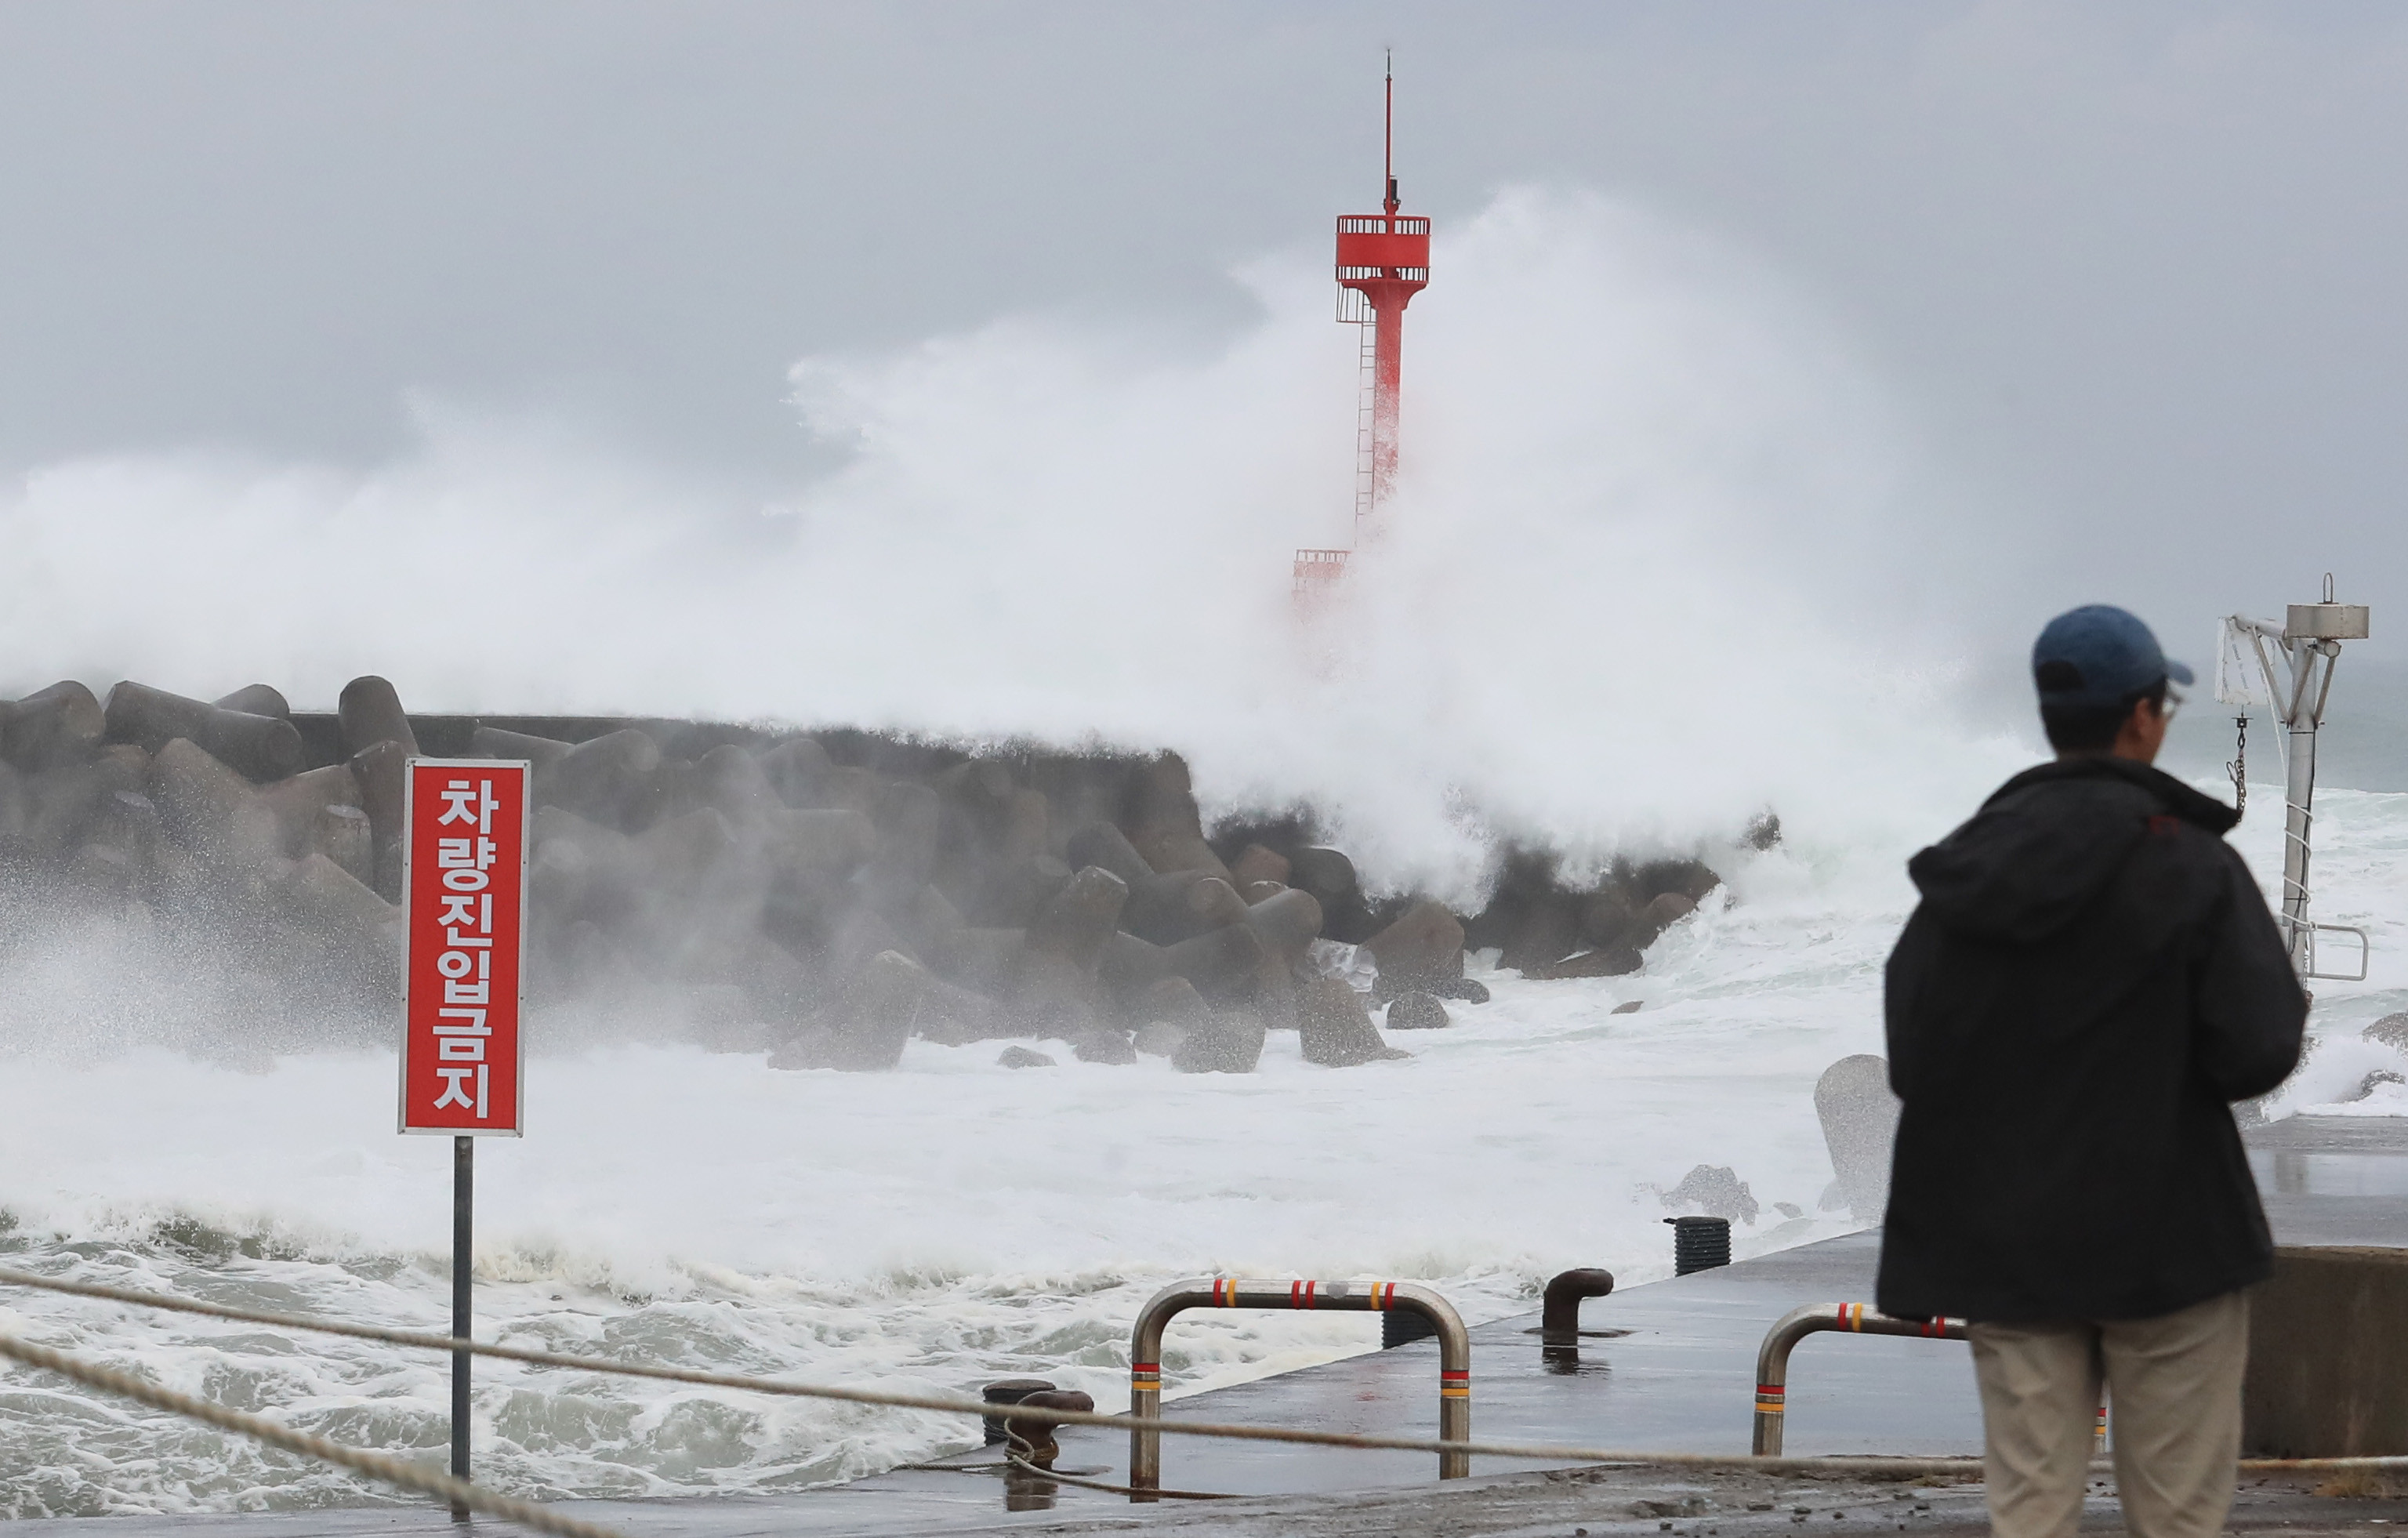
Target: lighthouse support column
[1387, 375]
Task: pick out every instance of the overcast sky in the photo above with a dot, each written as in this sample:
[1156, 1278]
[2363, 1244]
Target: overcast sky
[2134, 270]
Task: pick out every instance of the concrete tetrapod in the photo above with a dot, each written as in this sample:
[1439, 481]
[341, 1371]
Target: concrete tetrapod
[871, 1022]
[1417, 1012]
[1012, 898]
[1255, 863]
[1329, 876]
[1181, 905]
[1228, 1041]
[1336, 1024]
[360, 931]
[1424, 945]
[61, 801]
[950, 1015]
[1222, 965]
[369, 712]
[798, 771]
[1860, 1116]
[381, 769]
[208, 808]
[495, 743]
[1164, 1012]
[910, 823]
[979, 960]
[1080, 919]
[1103, 844]
[260, 748]
[61, 725]
[298, 803]
[256, 700]
[342, 835]
[128, 822]
[1164, 826]
[1054, 982]
[613, 780]
[1286, 922]
[730, 781]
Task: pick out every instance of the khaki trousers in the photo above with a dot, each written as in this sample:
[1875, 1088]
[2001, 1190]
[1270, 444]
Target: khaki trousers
[2174, 1386]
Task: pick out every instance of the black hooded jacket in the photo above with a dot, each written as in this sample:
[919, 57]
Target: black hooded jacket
[2091, 980]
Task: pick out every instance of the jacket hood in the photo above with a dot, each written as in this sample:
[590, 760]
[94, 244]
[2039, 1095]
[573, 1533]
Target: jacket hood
[2045, 842]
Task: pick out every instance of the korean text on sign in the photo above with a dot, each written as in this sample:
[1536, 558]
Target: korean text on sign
[463, 889]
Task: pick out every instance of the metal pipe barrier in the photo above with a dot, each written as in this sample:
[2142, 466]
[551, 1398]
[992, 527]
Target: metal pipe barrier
[1535, 1452]
[1145, 1355]
[1772, 1358]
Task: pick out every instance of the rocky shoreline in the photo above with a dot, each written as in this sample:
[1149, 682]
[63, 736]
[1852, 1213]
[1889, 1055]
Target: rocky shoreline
[823, 896]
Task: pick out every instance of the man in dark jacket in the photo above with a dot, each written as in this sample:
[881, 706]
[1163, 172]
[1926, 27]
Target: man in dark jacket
[2091, 978]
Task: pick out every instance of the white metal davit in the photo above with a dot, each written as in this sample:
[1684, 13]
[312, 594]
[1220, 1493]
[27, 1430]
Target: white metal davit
[2293, 691]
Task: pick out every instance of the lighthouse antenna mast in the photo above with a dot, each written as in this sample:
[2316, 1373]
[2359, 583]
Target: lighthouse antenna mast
[1388, 140]
[1383, 261]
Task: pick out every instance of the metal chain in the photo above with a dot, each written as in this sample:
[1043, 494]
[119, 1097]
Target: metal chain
[2239, 767]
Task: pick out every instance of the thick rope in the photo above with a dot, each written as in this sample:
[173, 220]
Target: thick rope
[956, 1404]
[409, 1477]
[1027, 1467]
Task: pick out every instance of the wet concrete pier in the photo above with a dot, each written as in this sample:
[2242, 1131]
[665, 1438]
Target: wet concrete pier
[1670, 1366]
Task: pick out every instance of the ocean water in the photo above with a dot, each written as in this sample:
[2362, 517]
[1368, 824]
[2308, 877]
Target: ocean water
[1665, 552]
[947, 1223]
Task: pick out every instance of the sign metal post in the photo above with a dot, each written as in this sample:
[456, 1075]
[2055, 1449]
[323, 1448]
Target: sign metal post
[463, 897]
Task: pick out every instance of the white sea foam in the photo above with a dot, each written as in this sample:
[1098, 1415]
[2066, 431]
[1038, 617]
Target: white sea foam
[1650, 508]
[1642, 578]
[955, 1221]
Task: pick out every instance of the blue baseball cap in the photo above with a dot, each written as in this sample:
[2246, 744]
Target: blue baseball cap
[2098, 655]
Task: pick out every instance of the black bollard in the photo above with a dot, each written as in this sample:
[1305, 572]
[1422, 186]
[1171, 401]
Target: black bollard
[1008, 1391]
[1699, 1244]
[1402, 1327]
[1033, 1440]
[1559, 1313]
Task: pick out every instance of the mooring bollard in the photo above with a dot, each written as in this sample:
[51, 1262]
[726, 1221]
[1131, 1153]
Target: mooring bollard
[1699, 1244]
[1033, 1436]
[1559, 1310]
[1145, 1353]
[1008, 1391]
[1772, 1358]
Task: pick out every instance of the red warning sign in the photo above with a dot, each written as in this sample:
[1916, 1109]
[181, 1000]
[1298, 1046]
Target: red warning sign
[464, 890]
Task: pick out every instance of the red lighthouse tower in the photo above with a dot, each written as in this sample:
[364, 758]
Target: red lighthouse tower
[1383, 261]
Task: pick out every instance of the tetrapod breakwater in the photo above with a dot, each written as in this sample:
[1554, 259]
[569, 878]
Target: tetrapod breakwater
[826, 895]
